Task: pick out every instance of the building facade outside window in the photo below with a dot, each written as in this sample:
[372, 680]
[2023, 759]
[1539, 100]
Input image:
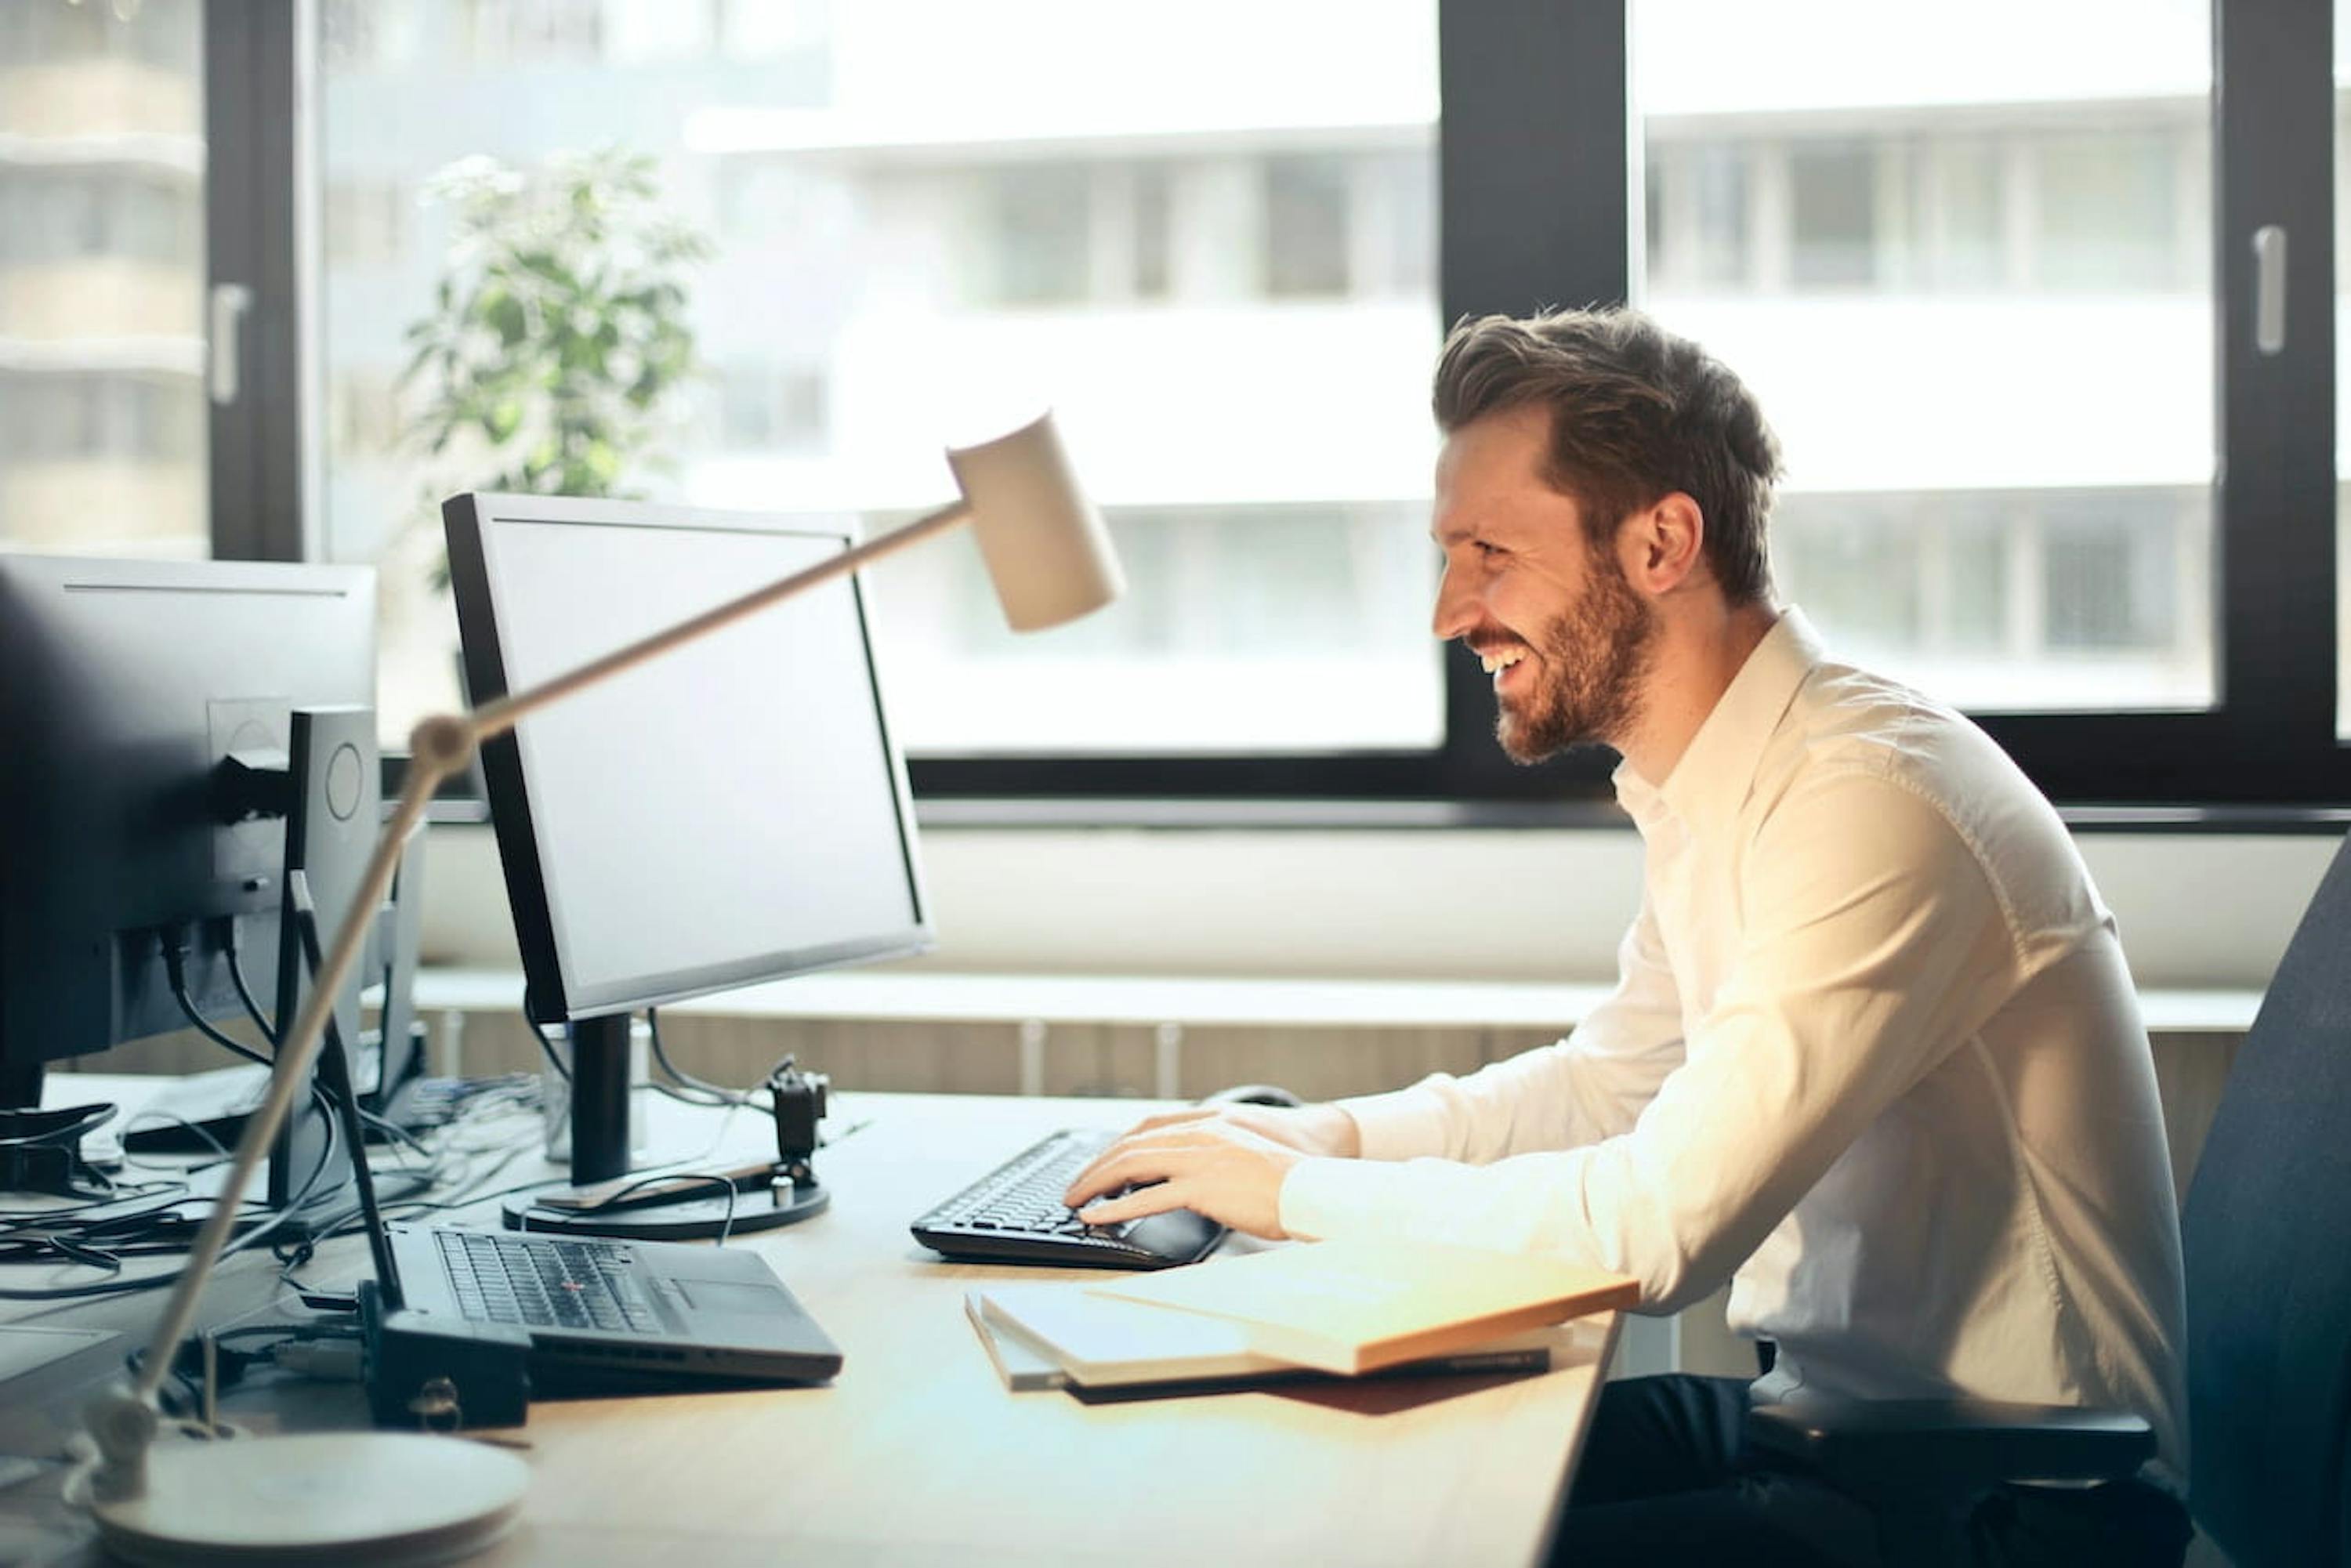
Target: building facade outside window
[1891, 242]
[102, 279]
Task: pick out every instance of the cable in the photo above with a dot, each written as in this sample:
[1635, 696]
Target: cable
[666, 1170]
[78, 1250]
[172, 955]
[165, 1113]
[156, 1282]
[691, 1090]
[554, 1057]
[175, 953]
[40, 1151]
[13, 1218]
[398, 1134]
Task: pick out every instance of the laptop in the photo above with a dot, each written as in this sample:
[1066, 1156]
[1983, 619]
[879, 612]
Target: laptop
[602, 1315]
[611, 1315]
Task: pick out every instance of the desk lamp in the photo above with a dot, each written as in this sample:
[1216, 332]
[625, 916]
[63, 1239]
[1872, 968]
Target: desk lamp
[384, 1497]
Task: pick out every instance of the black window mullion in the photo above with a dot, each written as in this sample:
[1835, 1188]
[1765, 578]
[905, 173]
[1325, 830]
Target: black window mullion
[1533, 161]
[251, 120]
[2273, 135]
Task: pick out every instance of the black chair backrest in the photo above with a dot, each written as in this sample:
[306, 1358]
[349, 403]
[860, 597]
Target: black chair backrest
[2267, 1230]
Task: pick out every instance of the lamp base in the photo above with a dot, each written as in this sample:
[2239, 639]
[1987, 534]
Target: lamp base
[370, 1500]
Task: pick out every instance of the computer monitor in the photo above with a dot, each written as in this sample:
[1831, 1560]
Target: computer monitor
[733, 813]
[127, 684]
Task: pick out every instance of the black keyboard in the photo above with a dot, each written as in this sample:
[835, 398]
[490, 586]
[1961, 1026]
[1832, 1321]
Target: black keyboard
[1015, 1215]
[547, 1283]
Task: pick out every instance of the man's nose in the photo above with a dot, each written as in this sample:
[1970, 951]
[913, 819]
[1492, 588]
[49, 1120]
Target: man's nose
[1457, 606]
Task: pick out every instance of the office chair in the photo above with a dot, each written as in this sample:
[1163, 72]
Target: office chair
[2266, 1232]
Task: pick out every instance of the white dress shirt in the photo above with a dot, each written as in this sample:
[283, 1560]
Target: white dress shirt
[1874, 1057]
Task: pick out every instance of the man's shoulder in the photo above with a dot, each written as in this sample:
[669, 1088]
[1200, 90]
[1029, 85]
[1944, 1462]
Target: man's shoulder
[1851, 735]
[1849, 720]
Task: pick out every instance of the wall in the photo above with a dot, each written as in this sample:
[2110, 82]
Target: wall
[2196, 909]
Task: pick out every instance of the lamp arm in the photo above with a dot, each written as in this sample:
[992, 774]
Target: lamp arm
[123, 1420]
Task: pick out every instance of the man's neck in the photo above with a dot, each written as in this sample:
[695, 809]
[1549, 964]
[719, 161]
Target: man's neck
[1700, 650]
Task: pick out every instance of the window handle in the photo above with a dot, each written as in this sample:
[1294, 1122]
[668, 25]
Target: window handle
[230, 301]
[2269, 289]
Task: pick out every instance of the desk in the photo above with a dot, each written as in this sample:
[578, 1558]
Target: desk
[917, 1454]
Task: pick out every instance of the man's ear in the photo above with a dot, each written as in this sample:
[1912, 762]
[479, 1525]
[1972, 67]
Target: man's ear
[1663, 545]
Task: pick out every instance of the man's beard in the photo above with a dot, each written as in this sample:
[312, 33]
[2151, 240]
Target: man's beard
[1592, 660]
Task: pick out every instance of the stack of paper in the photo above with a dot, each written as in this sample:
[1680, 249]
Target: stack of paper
[1315, 1309]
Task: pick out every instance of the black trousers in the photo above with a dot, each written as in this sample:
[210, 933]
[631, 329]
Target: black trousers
[1666, 1477]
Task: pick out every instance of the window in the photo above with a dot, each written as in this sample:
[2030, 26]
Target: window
[1229, 297]
[1154, 197]
[365, 419]
[1990, 269]
[771, 30]
[499, 33]
[1306, 209]
[1959, 223]
[1832, 210]
[102, 151]
[366, 222]
[2108, 204]
[762, 408]
[101, 212]
[1931, 347]
[1037, 224]
[359, 33]
[1696, 214]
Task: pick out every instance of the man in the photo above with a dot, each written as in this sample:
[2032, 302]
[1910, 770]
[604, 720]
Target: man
[1874, 1056]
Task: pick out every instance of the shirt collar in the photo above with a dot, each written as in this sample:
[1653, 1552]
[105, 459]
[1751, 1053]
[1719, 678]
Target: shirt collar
[1712, 777]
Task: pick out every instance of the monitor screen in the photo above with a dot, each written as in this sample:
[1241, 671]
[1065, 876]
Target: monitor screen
[733, 812]
[122, 687]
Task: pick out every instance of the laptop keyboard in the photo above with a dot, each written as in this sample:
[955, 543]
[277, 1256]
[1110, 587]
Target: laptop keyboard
[546, 1282]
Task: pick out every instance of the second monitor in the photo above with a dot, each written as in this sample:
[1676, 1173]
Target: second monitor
[735, 813]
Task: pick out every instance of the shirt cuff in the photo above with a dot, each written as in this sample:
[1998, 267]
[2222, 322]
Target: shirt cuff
[1403, 1125]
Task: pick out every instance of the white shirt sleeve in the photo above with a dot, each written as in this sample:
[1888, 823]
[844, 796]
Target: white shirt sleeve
[1870, 942]
[1590, 1086]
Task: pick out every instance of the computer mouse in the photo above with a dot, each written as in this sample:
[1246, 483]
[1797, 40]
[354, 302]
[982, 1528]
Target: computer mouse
[1252, 1094]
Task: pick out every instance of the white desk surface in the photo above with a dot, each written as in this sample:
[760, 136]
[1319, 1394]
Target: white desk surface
[917, 1454]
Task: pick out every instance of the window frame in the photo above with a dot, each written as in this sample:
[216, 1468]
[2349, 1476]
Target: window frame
[259, 123]
[1540, 177]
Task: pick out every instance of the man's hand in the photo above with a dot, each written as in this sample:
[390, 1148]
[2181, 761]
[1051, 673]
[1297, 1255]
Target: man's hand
[1225, 1162]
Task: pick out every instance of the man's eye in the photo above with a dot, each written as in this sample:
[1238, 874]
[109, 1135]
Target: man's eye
[1489, 550]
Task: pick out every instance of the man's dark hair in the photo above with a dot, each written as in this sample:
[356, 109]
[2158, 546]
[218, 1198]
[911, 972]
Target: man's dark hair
[1635, 415]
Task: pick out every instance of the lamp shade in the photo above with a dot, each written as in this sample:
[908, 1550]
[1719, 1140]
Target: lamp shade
[1046, 548]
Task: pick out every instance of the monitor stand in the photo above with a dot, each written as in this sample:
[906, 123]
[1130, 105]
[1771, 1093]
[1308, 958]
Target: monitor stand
[20, 1086]
[689, 1207]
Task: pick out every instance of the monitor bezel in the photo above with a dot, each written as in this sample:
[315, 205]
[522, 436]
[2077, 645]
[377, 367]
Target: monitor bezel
[471, 521]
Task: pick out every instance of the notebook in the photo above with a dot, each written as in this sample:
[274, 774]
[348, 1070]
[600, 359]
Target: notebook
[1061, 1335]
[1357, 1306]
